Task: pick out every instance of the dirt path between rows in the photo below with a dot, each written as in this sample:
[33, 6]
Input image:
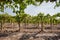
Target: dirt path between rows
[13, 36]
[18, 35]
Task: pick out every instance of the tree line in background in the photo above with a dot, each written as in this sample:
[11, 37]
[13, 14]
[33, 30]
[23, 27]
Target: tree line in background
[28, 19]
[21, 5]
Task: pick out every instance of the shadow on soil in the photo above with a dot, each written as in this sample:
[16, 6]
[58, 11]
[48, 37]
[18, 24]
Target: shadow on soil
[3, 35]
[27, 36]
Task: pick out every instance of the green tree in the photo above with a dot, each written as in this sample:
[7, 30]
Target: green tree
[47, 18]
[1, 21]
[22, 17]
[41, 16]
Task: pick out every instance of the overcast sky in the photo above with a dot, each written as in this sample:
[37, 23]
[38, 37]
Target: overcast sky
[34, 10]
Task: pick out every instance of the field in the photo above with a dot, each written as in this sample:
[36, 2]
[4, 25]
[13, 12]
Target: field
[29, 19]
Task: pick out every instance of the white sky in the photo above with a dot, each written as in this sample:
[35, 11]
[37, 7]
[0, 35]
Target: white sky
[44, 8]
[34, 10]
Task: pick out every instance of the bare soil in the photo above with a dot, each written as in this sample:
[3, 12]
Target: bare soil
[9, 32]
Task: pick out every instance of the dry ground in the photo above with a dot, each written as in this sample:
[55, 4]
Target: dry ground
[26, 34]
